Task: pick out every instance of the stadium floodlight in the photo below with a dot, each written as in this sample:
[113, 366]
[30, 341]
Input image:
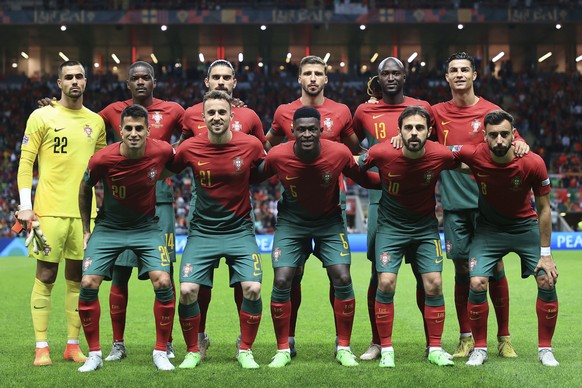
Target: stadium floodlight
[288, 58]
[326, 58]
[545, 56]
[460, 26]
[115, 58]
[362, 27]
[63, 28]
[201, 57]
[14, 65]
[412, 57]
[96, 65]
[374, 57]
[63, 56]
[423, 64]
[498, 57]
[164, 27]
[263, 27]
[558, 26]
[342, 64]
[241, 57]
[24, 55]
[177, 64]
[154, 58]
[579, 58]
[261, 64]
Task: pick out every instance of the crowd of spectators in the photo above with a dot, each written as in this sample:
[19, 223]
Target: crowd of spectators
[547, 108]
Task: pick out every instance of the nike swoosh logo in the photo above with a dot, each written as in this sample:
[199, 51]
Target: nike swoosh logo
[474, 319]
[344, 254]
[114, 312]
[58, 129]
[257, 273]
[381, 316]
[482, 175]
[116, 178]
[290, 178]
[551, 316]
[164, 323]
[39, 308]
[438, 261]
[278, 316]
[439, 320]
[86, 324]
[390, 175]
[201, 126]
[444, 122]
[202, 163]
[377, 116]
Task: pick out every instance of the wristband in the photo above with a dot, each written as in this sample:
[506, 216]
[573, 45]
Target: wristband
[545, 251]
[25, 199]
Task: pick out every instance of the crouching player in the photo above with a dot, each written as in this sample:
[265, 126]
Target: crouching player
[129, 170]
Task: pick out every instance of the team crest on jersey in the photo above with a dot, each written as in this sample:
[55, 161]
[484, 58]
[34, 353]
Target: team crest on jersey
[47, 250]
[153, 175]
[328, 125]
[238, 163]
[25, 140]
[157, 118]
[384, 259]
[276, 254]
[428, 175]
[88, 131]
[516, 183]
[476, 125]
[326, 178]
[448, 246]
[187, 270]
[472, 264]
[87, 263]
[237, 126]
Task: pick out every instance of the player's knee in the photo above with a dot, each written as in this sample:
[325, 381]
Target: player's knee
[433, 286]
[188, 293]
[46, 272]
[479, 283]
[282, 283]
[544, 282]
[251, 290]
[91, 281]
[386, 284]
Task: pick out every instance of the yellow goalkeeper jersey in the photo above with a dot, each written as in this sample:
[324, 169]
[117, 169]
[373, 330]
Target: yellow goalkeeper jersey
[63, 140]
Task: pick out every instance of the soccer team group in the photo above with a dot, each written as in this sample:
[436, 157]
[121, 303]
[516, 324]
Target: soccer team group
[488, 178]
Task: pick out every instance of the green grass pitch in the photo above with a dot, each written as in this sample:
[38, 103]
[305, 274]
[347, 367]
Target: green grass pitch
[315, 364]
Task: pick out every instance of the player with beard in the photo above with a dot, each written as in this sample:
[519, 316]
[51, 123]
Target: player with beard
[507, 222]
[407, 224]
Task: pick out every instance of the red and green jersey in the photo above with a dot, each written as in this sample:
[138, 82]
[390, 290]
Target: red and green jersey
[505, 189]
[165, 118]
[336, 120]
[222, 180]
[379, 123]
[311, 192]
[457, 126]
[408, 185]
[129, 185]
[244, 120]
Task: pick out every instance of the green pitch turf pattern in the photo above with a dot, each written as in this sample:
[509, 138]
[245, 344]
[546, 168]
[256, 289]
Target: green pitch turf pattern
[315, 364]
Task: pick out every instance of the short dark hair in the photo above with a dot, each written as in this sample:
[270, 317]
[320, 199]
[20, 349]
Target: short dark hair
[136, 111]
[217, 95]
[306, 112]
[312, 60]
[414, 110]
[496, 117]
[67, 64]
[461, 55]
[220, 62]
[142, 64]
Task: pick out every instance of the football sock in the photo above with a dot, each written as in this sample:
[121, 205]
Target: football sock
[371, 299]
[280, 313]
[189, 321]
[478, 312]
[90, 312]
[40, 307]
[204, 296]
[420, 303]
[238, 296]
[547, 312]
[434, 319]
[71, 304]
[295, 302]
[385, 317]
[117, 310]
[164, 308]
[461, 298]
[250, 318]
[499, 292]
[344, 306]
[170, 339]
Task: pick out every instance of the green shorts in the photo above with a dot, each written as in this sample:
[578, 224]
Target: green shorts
[328, 241]
[203, 251]
[106, 244]
[490, 244]
[167, 223]
[459, 228]
[424, 249]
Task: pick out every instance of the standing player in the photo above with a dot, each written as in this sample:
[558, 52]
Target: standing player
[378, 123]
[165, 118]
[63, 138]
[221, 224]
[309, 211]
[127, 220]
[220, 76]
[336, 120]
[407, 224]
[508, 223]
[460, 122]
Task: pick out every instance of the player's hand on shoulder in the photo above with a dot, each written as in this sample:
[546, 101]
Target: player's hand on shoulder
[396, 142]
[46, 101]
[238, 103]
[521, 148]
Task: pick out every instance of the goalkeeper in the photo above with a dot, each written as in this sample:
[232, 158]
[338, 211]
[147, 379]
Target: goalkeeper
[62, 138]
